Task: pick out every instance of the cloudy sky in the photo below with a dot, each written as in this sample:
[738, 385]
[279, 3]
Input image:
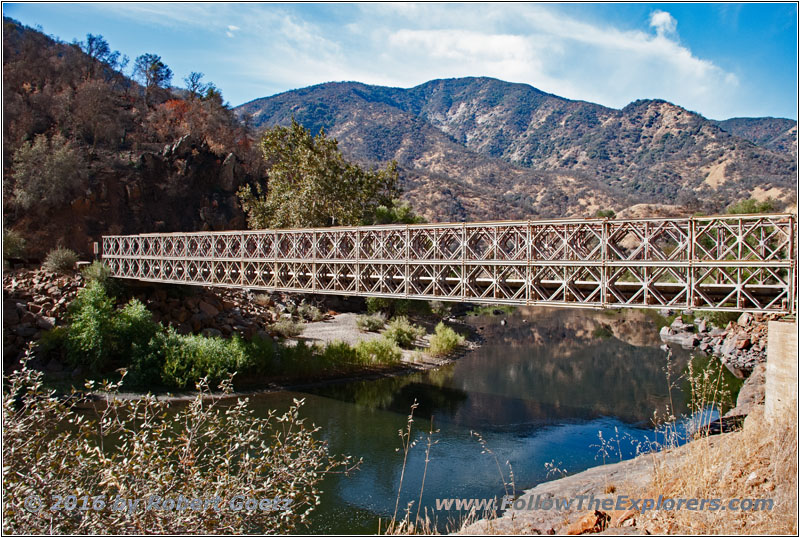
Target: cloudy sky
[722, 60]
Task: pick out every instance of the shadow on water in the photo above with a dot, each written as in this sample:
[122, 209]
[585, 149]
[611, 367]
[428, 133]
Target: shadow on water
[544, 388]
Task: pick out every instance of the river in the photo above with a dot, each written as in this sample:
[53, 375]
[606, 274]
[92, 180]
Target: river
[549, 391]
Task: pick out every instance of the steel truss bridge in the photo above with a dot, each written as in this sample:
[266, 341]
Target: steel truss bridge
[733, 263]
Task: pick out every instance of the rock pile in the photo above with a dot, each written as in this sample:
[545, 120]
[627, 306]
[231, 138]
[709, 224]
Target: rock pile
[741, 345]
[34, 301]
[212, 312]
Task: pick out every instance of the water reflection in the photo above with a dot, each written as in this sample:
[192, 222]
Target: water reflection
[541, 389]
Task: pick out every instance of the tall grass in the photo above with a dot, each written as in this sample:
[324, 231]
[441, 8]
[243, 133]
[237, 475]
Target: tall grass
[758, 462]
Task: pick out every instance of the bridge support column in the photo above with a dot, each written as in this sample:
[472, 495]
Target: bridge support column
[781, 382]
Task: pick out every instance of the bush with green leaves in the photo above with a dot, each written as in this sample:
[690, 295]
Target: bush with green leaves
[97, 271]
[187, 358]
[752, 206]
[90, 336]
[605, 214]
[100, 336]
[60, 260]
[371, 322]
[396, 212]
[310, 312]
[13, 245]
[378, 351]
[287, 328]
[403, 332]
[444, 341]
[397, 307]
[201, 450]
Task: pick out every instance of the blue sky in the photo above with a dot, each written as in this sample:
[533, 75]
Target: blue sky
[722, 60]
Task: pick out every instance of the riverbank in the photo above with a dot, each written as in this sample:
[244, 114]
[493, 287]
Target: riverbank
[282, 341]
[757, 462]
[337, 328]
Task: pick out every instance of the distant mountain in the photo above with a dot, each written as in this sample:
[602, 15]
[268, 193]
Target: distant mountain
[484, 148]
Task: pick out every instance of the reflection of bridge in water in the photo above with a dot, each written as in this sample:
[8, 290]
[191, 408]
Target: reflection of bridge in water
[732, 262]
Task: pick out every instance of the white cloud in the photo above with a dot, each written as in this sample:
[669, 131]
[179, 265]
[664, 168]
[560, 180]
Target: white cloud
[663, 22]
[407, 44]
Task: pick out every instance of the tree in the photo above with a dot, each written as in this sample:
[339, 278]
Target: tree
[194, 86]
[152, 73]
[752, 206]
[310, 184]
[47, 173]
[96, 47]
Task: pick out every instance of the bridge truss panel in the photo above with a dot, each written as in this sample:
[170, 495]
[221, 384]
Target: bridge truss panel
[730, 262]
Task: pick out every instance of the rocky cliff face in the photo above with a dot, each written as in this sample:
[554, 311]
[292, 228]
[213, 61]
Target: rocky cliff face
[183, 187]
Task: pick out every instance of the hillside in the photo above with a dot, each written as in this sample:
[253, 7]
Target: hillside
[128, 164]
[553, 152]
[778, 134]
[444, 180]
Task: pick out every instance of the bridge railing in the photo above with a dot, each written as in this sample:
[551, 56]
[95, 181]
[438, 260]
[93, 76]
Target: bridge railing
[731, 262]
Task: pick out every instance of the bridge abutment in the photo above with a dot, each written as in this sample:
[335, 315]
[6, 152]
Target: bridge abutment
[781, 382]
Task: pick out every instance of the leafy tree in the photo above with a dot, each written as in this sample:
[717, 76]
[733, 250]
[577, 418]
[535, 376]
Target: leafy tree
[309, 183]
[47, 173]
[751, 206]
[152, 73]
[396, 212]
[605, 214]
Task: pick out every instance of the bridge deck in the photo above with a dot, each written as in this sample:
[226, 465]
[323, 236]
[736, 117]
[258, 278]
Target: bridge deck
[736, 263]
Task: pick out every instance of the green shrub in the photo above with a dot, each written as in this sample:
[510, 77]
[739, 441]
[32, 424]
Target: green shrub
[287, 328]
[47, 173]
[395, 307]
[338, 353]
[605, 214]
[751, 206]
[371, 323]
[444, 340]
[378, 304]
[262, 355]
[187, 358]
[491, 310]
[440, 309]
[98, 271]
[90, 338]
[13, 245]
[53, 342]
[378, 351]
[310, 312]
[403, 332]
[60, 260]
[602, 332]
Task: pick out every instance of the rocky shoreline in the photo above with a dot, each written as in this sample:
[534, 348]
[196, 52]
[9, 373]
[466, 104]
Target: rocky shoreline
[740, 346]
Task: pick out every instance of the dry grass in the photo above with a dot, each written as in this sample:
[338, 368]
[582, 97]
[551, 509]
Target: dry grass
[758, 462]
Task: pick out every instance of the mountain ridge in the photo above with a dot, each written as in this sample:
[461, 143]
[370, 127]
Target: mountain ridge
[551, 149]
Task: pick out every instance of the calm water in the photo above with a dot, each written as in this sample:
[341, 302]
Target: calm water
[541, 390]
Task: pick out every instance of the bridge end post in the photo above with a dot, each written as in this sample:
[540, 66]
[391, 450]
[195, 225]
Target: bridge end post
[781, 376]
